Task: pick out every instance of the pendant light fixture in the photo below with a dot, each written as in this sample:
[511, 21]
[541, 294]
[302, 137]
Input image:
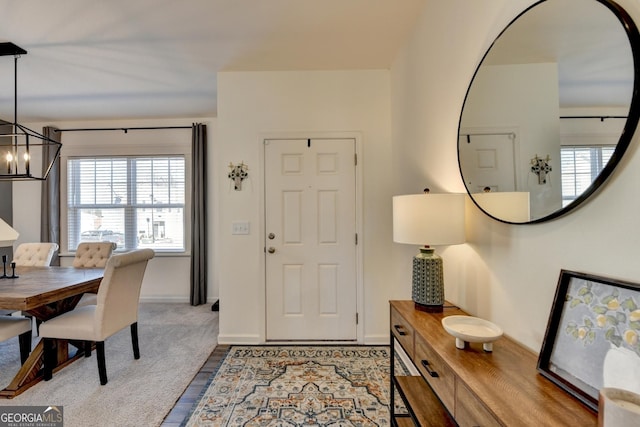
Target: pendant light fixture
[24, 153]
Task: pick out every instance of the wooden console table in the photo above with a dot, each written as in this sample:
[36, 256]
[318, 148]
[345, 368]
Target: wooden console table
[472, 387]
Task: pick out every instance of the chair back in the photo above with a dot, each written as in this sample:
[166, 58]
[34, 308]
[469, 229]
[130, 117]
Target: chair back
[93, 254]
[119, 292]
[34, 254]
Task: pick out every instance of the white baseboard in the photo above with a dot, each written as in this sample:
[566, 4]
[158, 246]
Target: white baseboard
[376, 340]
[165, 299]
[176, 299]
[239, 339]
[255, 340]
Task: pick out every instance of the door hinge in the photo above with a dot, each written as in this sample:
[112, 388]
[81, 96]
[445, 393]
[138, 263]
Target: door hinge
[355, 159]
[356, 318]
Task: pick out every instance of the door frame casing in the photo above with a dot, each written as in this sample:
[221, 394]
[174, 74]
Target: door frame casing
[262, 303]
[519, 179]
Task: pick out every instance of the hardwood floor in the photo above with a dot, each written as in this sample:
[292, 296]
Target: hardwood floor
[191, 395]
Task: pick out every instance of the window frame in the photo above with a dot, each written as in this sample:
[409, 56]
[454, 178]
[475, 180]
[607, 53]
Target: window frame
[146, 149]
[599, 167]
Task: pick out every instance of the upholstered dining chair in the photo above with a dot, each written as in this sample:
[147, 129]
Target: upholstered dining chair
[92, 255]
[17, 326]
[117, 308]
[38, 254]
[34, 254]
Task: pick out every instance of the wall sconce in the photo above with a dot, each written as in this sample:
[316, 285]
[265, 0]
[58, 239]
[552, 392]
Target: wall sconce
[436, 219]
[238, 174]
[541, 168]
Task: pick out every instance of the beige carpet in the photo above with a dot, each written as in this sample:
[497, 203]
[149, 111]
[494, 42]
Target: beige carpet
[175, 341]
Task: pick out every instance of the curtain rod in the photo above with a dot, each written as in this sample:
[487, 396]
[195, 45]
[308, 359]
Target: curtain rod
[125, 130]
[510, 134]
[593, 117]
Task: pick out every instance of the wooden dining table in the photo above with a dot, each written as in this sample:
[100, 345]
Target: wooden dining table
[45, 292]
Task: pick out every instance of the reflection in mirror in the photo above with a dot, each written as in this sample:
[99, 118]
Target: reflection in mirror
[551, 108]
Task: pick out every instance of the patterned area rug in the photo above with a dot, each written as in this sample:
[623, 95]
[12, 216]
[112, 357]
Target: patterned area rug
[298, 386]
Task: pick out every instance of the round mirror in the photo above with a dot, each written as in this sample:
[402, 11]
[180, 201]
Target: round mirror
[550, 110]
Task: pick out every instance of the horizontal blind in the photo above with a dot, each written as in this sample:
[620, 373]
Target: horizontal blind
[134, 201]
[580, 166]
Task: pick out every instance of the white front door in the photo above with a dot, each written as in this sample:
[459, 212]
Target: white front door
[310, 241]
[488, 160]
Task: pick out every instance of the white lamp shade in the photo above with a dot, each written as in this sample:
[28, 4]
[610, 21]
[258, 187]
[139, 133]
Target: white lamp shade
[7, 234]
[429, 219]
[510, 206]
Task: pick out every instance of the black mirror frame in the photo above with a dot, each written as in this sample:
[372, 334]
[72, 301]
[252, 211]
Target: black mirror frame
[627, 132]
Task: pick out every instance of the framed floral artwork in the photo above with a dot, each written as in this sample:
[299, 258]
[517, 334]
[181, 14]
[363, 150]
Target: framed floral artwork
[592, 337]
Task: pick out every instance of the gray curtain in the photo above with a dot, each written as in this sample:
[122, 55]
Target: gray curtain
[6, 191]
[50, 198]
[199, 214]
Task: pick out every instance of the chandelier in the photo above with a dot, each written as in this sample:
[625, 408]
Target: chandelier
[24, 154]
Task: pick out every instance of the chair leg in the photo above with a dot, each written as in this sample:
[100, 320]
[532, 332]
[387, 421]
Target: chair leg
[87, 348]
[134, 340]
[49, 358]
[25, 346]
[102, 366]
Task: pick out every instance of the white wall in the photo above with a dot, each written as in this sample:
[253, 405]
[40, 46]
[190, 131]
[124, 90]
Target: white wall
[167, 277]
[254, 104]
[507, 274]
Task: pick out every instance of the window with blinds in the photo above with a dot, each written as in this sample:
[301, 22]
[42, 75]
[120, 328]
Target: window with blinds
[580, 165]
[134, 201]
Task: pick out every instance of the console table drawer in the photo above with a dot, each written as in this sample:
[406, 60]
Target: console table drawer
[403, 332]
[435, 371]
[502, 388]
[470, 412]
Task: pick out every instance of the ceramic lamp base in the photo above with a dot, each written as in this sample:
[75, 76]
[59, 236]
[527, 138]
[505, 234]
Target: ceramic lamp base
[438, 308]
[427, 284]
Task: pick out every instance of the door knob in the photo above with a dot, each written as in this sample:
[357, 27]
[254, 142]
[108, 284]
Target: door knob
[271, 250]
[271, 236]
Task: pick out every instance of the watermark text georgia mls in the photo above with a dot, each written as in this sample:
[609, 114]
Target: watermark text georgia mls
[31, 416]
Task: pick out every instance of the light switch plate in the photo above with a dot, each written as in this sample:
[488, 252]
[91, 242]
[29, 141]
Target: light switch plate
[240, 227]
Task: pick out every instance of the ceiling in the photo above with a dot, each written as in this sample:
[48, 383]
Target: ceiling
[117, 59]
[94, 59]
[592, 50]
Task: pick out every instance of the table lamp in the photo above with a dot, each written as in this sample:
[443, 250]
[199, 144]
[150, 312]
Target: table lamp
[428, 219]
[7, 234]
